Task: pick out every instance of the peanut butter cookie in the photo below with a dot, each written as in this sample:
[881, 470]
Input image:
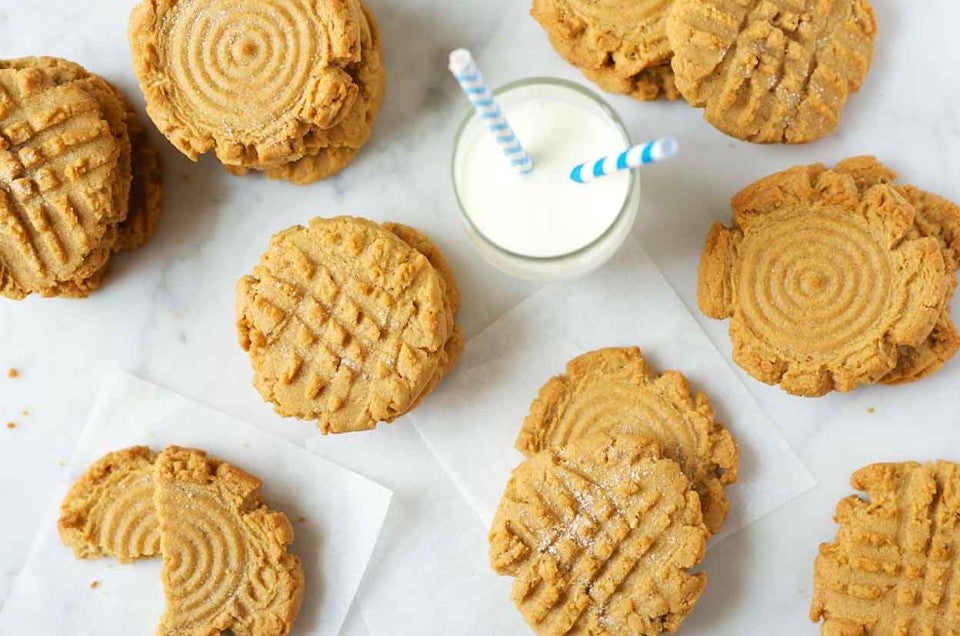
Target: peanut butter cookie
[821, 280]
[64, 182]
[940, 219]
[246, 79]
[616, 391]
[109, 510]
[621, 45]
[772, 71]
[138, 172]
[225, 560]
[345, 323]
[600, 536]
[891, 568]
[145, 170]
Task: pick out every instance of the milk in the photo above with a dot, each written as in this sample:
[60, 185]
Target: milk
[543, 225]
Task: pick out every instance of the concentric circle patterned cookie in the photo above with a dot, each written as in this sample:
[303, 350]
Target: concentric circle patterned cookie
[63, 187]
[619, 44]
[109, 510]
[247, 79]
[330, 150]
[891, 568]
[345, 323]
[937, 218]
[225, 560]
[776, 71]
[616, 391]
[821, 281]
[600, 536]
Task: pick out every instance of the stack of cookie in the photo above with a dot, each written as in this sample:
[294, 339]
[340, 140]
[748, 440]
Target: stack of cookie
[835, 278]
[225, 560]
[766, 72]
[623, 484]
[78, 178]
[288, 88]
[349, 323]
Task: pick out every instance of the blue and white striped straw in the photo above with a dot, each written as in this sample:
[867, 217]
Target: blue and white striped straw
[640, 155]
[471, 81]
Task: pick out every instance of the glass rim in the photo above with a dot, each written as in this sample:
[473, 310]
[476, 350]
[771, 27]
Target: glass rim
[605, 107]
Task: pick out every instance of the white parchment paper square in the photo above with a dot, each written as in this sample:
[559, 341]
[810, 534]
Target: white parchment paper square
[429, 573]
[471, 421]
[341, 512]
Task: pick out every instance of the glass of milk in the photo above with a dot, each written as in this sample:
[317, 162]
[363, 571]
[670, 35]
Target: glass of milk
[544, 226]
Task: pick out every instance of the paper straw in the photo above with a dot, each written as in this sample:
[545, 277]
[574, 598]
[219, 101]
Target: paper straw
[640, 155]
[471, 81]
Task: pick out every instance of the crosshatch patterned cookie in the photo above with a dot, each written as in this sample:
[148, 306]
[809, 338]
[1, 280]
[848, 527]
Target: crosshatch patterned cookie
[776, 71]
[345, 323]
[62, 190]
[109, 510]
[137, 179]
[892, 567]
[621, 45]
[821, 280]
[246, 79]
[600, 536]
[616, 391]
[940, 219]
[145, 170]
[225, 560]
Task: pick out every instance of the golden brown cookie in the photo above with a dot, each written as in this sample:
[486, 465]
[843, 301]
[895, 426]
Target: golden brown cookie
[225, 560]
[616, 391]
[821, 281]
[330, 150]
[246, 79]
[892, 566]
[453, 348]
[109, 510]
[621, 45]
[937, 218]
[771, 72]
[145, 171]
[345, 323]
[600, 536]
[64, 182]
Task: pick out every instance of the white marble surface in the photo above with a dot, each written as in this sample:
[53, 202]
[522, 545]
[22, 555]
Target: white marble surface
[167, 314]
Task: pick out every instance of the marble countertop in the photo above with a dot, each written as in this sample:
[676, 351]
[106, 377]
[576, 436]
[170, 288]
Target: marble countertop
[167, 313]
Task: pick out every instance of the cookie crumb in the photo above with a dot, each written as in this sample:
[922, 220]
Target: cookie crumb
[61, 463]
[11, 425]
[24, 412]
[12, 373]
[301, 519]
[94, 584]
[871, 410]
